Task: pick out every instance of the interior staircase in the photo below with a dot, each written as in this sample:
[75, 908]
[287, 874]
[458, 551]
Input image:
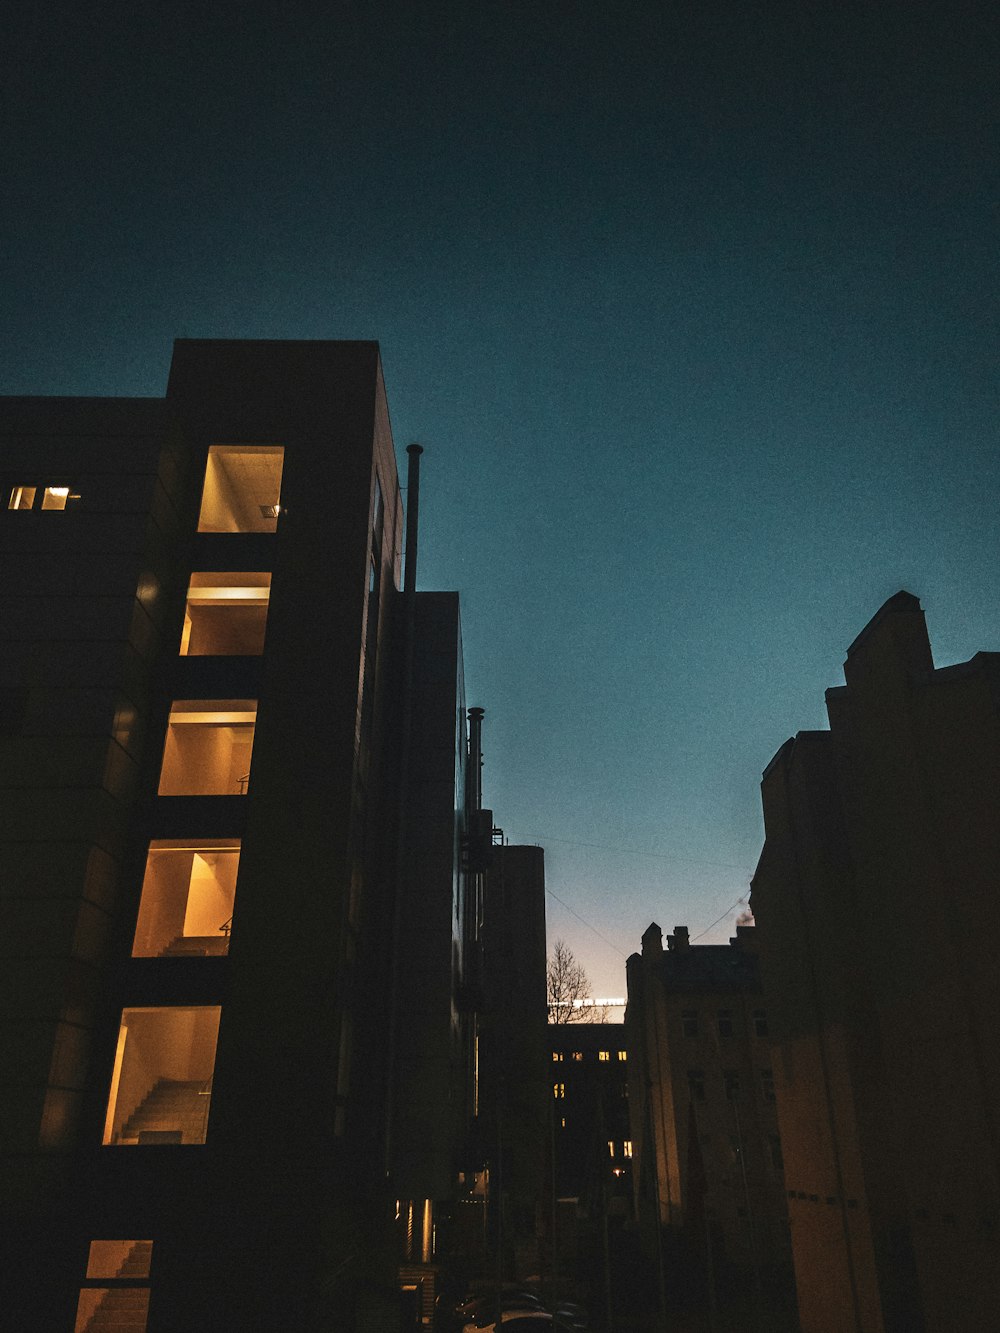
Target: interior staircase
[124, 1309]
[175, 1111]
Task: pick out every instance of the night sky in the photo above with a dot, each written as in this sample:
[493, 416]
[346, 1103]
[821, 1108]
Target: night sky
[693, 307]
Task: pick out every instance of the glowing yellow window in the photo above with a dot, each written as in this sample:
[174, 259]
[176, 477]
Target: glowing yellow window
[188, 892]
[226, 615]
[558, 1091]
[627, 1148]
[208, 747]
[161, 1088]
[242, 488]
[55, 497]
[623, 1055]
[21, 497]
[124, 1306]
[557, 1056]
[604, 1055]
[576, 1055]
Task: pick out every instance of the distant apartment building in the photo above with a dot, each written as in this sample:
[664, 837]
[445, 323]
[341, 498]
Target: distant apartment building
[592, 1136]
[875, 902]
[239, 931]
[707, 1154]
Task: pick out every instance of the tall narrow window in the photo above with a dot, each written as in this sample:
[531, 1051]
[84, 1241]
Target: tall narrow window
[689, 1022]
[161, 1087]
[188, 891]
[125, 1305]
[208, 747]
[21, 497]
[242, 488]
[725, 1022]
[226, 615]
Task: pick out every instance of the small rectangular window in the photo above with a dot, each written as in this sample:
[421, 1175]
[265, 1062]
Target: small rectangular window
[188, 892]
[689, 1022]
[767, 1084]
[124, 1306]
[557, 1055]
[732, 1081]
[759, 1023]
[604, 1055]
[696, 1084]
[623, 1055]
[576, 1055]
[55, 497]
[161, 1086]
[226, 615]
[208, 747]
[611, 1147]
[21, 497]
[242, 488]
[725, 1022]
[627, 1148]
[558, 1091]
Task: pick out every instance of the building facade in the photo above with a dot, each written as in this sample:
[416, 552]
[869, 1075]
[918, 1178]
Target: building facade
[236, 917]
[874, 900]
[707, 1154]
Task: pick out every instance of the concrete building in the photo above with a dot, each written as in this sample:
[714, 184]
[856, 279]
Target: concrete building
[875, 902]
[706, 1149]
[239, 934]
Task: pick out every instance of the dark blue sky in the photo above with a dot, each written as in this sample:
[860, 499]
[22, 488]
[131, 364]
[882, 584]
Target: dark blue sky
[693, 306]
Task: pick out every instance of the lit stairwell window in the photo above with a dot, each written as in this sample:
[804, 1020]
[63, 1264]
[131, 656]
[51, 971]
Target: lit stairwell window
[226, 615]
[242, 488]
[124, 1306]
[161, 1087]
[22, 497]
[188, 892]
[208, 747]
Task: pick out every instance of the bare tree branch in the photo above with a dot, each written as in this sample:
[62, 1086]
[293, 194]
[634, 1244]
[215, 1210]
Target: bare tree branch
[570, 1000]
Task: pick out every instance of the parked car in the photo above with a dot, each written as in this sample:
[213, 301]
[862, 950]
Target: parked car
[524, 1321]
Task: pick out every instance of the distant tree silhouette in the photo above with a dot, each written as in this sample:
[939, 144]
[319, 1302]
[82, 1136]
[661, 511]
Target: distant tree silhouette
[570, 1000]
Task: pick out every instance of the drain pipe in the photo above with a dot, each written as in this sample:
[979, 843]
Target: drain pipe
[402, 833]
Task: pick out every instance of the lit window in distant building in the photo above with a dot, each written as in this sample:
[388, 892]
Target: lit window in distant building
[242, 488]
[759, 1023]
[126, 1304]
[689, 1022]
[208, 747]
[604, 1055]
[226, 615]
[55, 497]
[627, 1148]
[696, 1084]
[562, 1122]
[188, 892]
[576, 1055]
[558, 1090]
[767, 1084]
[623, 1055]
[22, 497]
[557, 1055]
[611, 1147]
[161, 1087]
[731, 1078]
[725, 1022]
